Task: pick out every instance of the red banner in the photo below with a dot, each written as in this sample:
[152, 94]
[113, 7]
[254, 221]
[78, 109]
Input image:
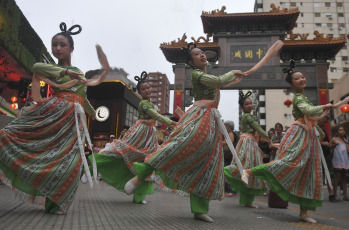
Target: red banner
[323, 101]
[177, 101]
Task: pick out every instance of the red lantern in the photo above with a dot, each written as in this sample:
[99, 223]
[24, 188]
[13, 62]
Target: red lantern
[288, 102]
[13, 99]
[345, 108]
[13, 106]
[23, 100]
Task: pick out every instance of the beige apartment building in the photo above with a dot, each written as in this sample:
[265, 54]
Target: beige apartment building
[160, 87]
[326, 16]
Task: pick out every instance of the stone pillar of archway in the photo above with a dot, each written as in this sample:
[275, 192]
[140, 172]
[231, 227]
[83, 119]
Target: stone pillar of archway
[179, 85]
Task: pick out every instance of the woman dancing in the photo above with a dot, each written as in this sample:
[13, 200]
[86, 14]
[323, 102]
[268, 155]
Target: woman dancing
[115, 162]
[191, 159]
[41, 151]
[295, 174]
[249, 154]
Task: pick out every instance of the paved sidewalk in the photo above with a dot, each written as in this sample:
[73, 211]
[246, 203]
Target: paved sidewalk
[103, 207]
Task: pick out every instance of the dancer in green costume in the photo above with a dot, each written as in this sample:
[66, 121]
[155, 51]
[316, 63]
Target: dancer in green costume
[41, 151]
[115, 162]
[249, 154]
[296, 173]
[191, 159]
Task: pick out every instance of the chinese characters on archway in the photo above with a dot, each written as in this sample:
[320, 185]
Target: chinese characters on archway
[247, 53]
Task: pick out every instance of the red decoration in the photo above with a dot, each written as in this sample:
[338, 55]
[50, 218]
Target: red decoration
[13, 106]
[23, 99]
[345, 108]
[13, 99]
[177, 101]
[288, 102]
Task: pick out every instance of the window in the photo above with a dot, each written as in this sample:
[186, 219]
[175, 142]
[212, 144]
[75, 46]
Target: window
[160, 82]
[302, 15]
[340, 15]
[339, 4]
[333, 70]
[317, 15]
[302, 25]
[159, 98]
[329, 15]
[327, 4]
[301, 3]
[330, 35]
[150, 83]
[159, 93]
[344, 48]
[342, 35]
[159, 104]
[344, 58]
[333, 59]
[283, 4]
[330, 25]
[130, 113]
[295, 25]
[316, 4]
[293, 4]
[341, 26]
[318, 25]
[160, 77]
[346, 70]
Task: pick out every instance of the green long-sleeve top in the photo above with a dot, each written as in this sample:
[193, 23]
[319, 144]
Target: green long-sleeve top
[147, 111]
[53, 72]
[204, 85]
[249, 125]
[302, 106]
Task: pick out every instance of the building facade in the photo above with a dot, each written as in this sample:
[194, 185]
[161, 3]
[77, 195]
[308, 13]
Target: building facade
[160, 91]
[324, 16]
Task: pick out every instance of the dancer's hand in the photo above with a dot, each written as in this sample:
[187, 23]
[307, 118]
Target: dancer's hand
[102, 58]
[238, 73]
[173, 124]
[75, 76]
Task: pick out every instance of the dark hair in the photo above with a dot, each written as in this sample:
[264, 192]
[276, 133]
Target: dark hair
[243, 97]
[67, 33]
[126, 127]
[289, 71]
[337, 129]
[176, 119]
[187, 51]
[282, 127]
[141, 80]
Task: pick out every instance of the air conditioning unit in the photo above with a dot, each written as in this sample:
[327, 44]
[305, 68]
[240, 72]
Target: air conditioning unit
[340, 27]
[347, 62]
[331, 28]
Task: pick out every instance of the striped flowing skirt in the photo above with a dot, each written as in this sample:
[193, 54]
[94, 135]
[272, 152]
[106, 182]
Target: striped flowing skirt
[296, 173]
[191, 160]
[250, 156]
[40, 155]
[115, 162]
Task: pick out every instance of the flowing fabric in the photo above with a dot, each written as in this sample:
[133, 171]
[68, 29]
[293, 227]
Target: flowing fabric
[296, 172]
[250, 156]
[40, 155]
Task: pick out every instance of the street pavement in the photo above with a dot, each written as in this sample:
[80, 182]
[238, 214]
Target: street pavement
[103, 207]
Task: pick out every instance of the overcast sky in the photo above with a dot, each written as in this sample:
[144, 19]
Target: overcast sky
[130, 32]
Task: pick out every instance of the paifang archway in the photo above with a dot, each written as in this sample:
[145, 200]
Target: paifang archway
[240, 40]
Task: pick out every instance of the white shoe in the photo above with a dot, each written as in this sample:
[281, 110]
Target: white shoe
[60, 212]
[84, 179]
[244, 177]
[130, 187]
[143, 202]
[203, 217]
[308, 219]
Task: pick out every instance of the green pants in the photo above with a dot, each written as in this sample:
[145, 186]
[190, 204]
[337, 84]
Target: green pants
[50, 206]
[197, 204]
[246, 199]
